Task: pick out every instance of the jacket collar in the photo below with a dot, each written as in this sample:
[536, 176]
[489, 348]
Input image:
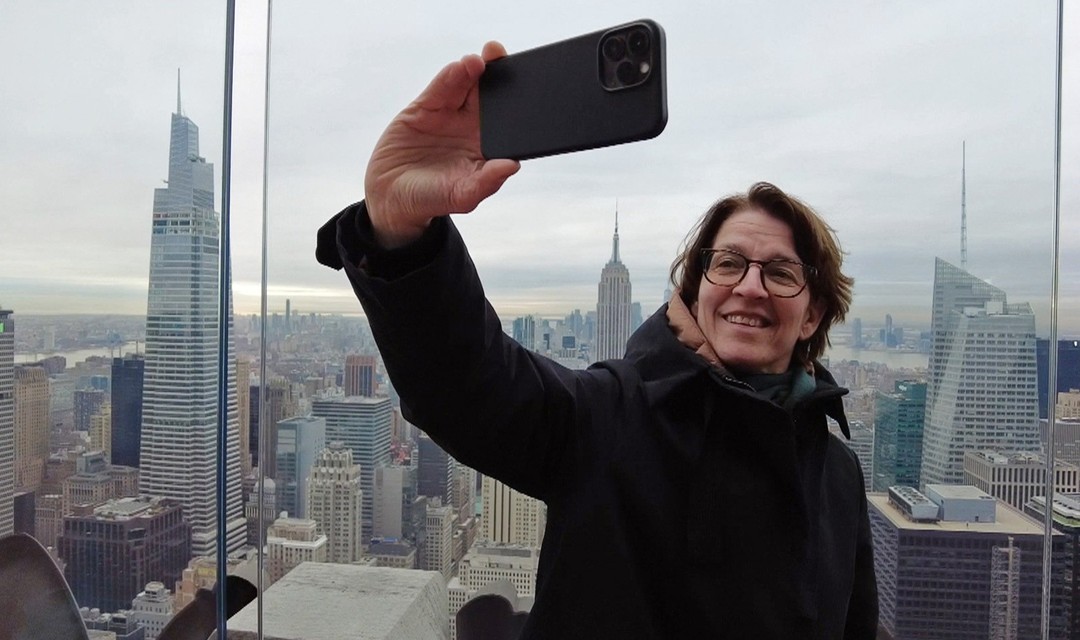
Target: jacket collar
[670, 348]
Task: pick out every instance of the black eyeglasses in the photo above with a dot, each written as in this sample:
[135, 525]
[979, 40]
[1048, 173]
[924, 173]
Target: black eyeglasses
[781, 278]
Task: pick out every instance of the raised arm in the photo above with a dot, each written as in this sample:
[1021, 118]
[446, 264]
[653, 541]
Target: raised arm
[428, 162]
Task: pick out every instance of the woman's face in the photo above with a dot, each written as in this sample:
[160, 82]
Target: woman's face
[751, 330]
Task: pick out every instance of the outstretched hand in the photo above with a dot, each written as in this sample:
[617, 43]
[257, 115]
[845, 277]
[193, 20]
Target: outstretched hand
[428, 161]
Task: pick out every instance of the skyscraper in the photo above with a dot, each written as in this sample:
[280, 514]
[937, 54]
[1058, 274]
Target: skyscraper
[299, 442]
[436, 469]
[127, 401]
[1068, 374]
[87, 403]
[360, 375]
[982, 392]
[179, 435]
[31, 426]
[510, 516]
[613, 305]
[335, 502]
[7, 421]
[898, 435]
[363, 425]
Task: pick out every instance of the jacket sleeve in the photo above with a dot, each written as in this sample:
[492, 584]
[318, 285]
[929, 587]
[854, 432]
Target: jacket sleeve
[862, 617]
[485, 399]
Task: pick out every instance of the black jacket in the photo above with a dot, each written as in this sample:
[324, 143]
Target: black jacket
[681, 504]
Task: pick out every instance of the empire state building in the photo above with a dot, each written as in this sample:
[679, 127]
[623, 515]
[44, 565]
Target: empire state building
[613, 305]
[179, 428]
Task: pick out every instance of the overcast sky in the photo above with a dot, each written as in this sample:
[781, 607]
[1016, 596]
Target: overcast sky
[858, 107]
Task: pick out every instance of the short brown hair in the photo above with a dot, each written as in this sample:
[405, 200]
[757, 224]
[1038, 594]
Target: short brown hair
[815, 242]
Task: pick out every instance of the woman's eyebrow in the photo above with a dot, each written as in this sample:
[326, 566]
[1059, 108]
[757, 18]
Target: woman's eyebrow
[735, 247]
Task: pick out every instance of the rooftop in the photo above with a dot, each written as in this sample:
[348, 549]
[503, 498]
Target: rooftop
[318, 601]
[1009, 520]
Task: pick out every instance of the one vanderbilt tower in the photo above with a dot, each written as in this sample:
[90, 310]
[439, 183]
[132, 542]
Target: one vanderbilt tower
[179, 429]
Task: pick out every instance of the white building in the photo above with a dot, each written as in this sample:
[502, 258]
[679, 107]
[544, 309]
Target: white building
[7, 422]
[290, 541]
[509, 516]
[438, 547]
[335, 501]
[486, 563]
[152, 608]
[1015, 478]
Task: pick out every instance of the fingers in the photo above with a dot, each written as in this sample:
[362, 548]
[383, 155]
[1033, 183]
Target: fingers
[493, 50]
[488, 179]
[451, 86]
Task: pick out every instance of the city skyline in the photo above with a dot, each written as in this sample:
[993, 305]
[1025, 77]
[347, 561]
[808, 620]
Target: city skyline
[873, 141]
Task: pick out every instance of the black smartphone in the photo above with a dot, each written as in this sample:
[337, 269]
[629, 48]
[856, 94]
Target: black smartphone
[595, 90]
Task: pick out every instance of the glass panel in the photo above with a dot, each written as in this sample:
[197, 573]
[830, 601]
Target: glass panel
[110, 291]
[922, 134]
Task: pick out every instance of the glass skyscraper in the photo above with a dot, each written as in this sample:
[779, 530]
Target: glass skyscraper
[179, 430]
[982, 392]
[127, 407]
[898, 435]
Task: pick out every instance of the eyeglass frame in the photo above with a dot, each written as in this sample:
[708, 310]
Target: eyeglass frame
[809, 271]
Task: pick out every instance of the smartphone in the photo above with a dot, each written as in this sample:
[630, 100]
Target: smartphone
[603, 88]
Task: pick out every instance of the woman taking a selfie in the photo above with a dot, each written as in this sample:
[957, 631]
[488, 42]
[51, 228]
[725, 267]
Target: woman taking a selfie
[693, 488]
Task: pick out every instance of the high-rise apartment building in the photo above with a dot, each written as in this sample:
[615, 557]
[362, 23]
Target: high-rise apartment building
[944, 568]
[335, 501]
[397, 514]
[127, 403]
[363, 425]
[299, 442]
[898, 435]
[1015, 478]
[31, 426]
[178, 448]
[982, 392]
[111, 551]
[613, 305]
[7, 421]
[87, 402]
[360, 375]
[290, 541]
[437, 549]
[100, 433]
[509, 516]
[436, 469]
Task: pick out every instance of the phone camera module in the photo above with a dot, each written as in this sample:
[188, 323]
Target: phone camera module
[626, 57]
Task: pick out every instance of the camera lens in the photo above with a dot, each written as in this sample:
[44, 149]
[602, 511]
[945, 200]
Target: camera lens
[627, 72]
[614, 48]
[638, 42]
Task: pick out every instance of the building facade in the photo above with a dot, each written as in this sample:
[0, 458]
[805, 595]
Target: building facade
[112, 551]
[126, 399]
[898, 435]
[949, 577]
[290, 541]
[31, 426]
[360, 375]
[363, 425]
[1015, 478]
[7, 421]
[509, 516]
[179, 438]
[335, 502]
[299, 442]
[436, 469]
[982, 392]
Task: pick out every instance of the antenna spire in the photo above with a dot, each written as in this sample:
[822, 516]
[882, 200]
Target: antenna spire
[963, 208]
[615, 239]
[178, 112]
